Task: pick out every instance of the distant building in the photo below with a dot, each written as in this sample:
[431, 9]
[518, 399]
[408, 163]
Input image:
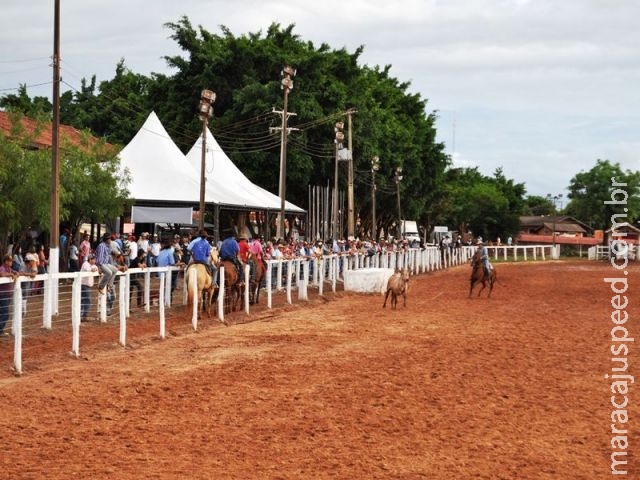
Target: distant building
[625, 231]
[39, 133]
[568, 231]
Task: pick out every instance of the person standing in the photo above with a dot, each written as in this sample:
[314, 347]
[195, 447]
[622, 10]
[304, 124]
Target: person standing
[137, 262]
[105, 263]
[86, 284]
[166, 258]
[74, 263]
[133, 249]
[85, 248]
[154, 251]
[143, 243]
[6, 292]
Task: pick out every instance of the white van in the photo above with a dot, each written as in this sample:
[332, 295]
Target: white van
[409, 230]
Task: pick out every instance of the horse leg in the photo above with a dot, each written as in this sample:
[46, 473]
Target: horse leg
[209, 295]
[472, 284]
[492, 280]
[394, 300]
[484, 284]
[385, 298]
[240, 295]
[404, 296]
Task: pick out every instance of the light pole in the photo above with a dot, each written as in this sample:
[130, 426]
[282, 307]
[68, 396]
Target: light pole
[336, 197]
[288, 73]
[205, 112]
[398, 178]
[375, 166]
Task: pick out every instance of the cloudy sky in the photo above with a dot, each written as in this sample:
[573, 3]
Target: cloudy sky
[540, 88]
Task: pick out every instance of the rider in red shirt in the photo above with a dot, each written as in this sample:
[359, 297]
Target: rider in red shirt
[243, 249]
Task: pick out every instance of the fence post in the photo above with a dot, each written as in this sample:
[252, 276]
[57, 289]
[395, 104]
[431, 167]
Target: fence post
[221, 296]
[269, 277]
[247, 281]
[195, 301]
[16, 326]
[76, 301]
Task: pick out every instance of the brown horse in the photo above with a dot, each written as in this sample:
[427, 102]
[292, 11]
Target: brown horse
[203, 287]
[232, 286]
[398, 284]
[258, 272]
[479, 275]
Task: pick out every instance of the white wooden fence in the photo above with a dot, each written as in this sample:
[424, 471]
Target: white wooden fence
[56, 298]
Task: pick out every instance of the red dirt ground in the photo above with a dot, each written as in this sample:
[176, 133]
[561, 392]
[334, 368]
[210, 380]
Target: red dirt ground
[449, 387]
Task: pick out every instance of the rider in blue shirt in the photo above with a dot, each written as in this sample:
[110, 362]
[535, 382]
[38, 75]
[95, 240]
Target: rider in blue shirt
[229, 249]
[200, 249]
[484, 256]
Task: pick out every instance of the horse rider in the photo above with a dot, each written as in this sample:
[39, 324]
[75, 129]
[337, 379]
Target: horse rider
[484, 256]
[229, 250]
[200, 250]
[243, 252]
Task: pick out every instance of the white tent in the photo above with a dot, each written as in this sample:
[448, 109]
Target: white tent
[156, 166]
[227, 184]
[161, 174]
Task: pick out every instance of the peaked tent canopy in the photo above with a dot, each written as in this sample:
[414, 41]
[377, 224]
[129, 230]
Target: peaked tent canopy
[156, 166]
[227, 184]
[161, 174]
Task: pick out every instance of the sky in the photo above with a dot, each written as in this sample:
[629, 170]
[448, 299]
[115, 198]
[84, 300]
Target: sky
[539, 88]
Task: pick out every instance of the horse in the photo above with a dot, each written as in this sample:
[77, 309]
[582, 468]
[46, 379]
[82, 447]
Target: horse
[203, 287]
[258, 271]
[398, 284]
[232, 286]
[479, 275]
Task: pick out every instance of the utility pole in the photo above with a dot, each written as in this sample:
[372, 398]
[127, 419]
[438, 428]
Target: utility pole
[54, 213]
[350, 199]
[398, 178]
[205, 112]
[287, 85]
[54, 240]
[338, 141]
[375, 165]
[554, 199]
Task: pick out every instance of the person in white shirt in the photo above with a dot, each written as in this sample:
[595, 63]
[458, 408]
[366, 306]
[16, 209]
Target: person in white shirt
[154, 250]
[74, 262]
[133, 248]
[86, 284]
[143, 243]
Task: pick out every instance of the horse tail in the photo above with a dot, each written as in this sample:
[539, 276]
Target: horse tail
[190, 285]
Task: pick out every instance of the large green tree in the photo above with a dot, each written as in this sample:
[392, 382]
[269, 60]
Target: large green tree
[245, 74]
[589, 191]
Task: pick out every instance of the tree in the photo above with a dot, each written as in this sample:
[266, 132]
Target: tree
[38, 107]
[487, 206]
[538, 205]
[91, 184]
[588, 192]
[245, 74]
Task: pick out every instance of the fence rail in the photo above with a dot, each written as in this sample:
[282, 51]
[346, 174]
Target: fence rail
[625, 251]
[52, 300]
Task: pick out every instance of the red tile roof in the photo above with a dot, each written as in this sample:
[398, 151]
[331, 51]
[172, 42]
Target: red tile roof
[564, 240]
[41, 132]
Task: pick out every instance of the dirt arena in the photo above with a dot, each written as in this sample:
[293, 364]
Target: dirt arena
[449, 387]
